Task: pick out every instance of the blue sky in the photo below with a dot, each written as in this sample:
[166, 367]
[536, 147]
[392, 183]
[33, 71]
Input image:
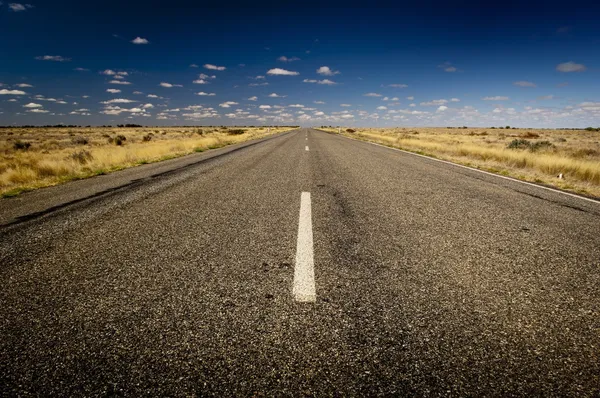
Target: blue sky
[528, 64]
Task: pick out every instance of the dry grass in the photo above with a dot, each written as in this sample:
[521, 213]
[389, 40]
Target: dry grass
[57, 155]
[573, 153]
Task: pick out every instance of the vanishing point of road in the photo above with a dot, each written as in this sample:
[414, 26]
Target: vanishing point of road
[303, 264]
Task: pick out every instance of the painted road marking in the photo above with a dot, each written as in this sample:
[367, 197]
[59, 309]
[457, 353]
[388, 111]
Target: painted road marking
[304, 271]
[307, 147]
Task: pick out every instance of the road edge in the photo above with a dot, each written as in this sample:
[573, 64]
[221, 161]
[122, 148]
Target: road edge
[551, 189]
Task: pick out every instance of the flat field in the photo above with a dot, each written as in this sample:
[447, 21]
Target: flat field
[535, 155]
[32, 158]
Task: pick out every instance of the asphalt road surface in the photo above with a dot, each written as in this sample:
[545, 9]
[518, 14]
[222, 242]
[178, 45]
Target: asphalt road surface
[304, 264]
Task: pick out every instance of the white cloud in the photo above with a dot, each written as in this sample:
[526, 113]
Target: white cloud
[214, 67]
[119, 82]
[275, 95]
[447, 67]
[265, 107]
[113, 90]
[410, 98]
[373, 95]
[435, 102]
[570, 67]
[346, 105]
[398, 85]
[496, 98]
[17, 7]
[381, 108]
[42, 98]
[148, 106]
[194, 66]
[169, 85]
[117, 110]
[296, 106]
[81, 69]
[319, 102]
[546, 97]
[442, 108]
[326, 71]
[200, 81]
[227, 104]
[283, 58]
[202, 93]
[118, 101]
[56, 58]
[140, 40]
[24, 85]
[204, 76]
[11, 92]
[258, 84]
[152, 96]
[37, 111]
[281, 72]
[523, 83]
[32, 105]
[253, 98]
[454, 100]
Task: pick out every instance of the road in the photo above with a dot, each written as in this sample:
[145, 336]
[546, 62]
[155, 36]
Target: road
[179, 279]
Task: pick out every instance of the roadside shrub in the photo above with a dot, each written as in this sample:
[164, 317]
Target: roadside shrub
[350, 131]
[199, 131]
[147, 137]
[118, 140]
[536, 146]
[79, 140]
[236, 131]
[519, 144]
[532, 146]
[82, 156]
[21, 145]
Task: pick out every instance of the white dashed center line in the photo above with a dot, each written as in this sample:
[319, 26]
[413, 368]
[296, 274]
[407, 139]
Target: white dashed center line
[307, 147]
[304, 271]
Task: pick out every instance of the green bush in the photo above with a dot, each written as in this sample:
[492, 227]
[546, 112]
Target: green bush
[532, 146]
[20, 145]
[536, 146]
[519, 144]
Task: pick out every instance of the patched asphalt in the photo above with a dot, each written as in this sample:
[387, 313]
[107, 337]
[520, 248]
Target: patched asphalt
[431, 280]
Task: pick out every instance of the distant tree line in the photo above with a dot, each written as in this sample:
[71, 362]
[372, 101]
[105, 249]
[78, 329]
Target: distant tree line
[58, 126]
